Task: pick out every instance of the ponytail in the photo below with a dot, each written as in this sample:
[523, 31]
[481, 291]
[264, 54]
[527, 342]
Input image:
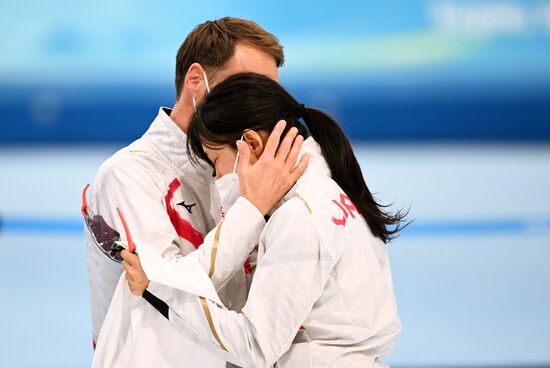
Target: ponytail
[346, 171]
[252, 101]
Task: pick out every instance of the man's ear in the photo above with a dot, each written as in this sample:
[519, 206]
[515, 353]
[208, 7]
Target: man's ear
[193, 79]
[255, 142]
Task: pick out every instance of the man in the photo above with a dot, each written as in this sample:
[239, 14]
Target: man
[165, 198]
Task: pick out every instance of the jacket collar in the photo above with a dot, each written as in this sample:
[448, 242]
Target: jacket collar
[317, 167]
[169, 144]
[168, 140]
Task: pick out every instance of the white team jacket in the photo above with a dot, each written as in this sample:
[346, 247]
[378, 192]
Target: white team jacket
[322, 292]
[165, 201]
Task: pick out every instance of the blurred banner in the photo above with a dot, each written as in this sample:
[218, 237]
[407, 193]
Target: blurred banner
[96, 72]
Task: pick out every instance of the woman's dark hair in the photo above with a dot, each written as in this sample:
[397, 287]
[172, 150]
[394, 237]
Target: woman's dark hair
[252, 101]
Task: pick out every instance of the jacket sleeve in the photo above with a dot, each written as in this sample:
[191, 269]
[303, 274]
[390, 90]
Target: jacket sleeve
[128, 185]
[289, 278]
[228, 245]
[141, 200]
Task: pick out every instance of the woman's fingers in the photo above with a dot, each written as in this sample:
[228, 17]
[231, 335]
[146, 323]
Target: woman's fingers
[244, 156]
[125, 265]
[131, 258]
[292, 157]
[273, 140]
[135, 276]
[129, 270]
[298, 171]
[286, 145]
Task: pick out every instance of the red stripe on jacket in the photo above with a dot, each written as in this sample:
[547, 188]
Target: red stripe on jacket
[182, 226]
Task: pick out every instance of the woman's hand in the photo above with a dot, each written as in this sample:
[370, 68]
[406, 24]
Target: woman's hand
[265, 182]
[137, 280]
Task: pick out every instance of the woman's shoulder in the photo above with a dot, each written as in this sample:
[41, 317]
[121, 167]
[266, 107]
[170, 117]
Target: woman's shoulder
[317, 193]
[302, 206]
[289, 224]
[292, 208]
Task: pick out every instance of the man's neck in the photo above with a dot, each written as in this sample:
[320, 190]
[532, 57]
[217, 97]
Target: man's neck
[181, 115]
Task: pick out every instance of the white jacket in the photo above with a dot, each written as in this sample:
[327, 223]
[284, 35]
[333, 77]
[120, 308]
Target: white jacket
[321, 295]
[151, 180]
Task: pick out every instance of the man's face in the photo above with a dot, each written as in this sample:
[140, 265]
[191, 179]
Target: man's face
[248, 59]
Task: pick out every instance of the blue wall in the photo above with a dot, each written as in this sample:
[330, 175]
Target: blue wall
[117, 115]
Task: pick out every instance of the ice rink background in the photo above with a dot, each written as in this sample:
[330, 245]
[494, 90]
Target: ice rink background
[448, 106]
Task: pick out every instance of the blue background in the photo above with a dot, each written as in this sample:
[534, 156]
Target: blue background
[92, 72]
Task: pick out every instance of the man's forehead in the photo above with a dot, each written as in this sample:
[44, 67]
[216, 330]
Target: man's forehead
[247, 58]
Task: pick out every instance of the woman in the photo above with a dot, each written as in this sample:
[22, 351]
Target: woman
[322, 292]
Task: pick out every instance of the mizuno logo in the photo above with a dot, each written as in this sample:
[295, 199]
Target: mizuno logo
[188, 207]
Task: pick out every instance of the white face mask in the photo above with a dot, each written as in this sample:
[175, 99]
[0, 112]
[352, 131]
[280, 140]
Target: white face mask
[224, 192]
[207, 90]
